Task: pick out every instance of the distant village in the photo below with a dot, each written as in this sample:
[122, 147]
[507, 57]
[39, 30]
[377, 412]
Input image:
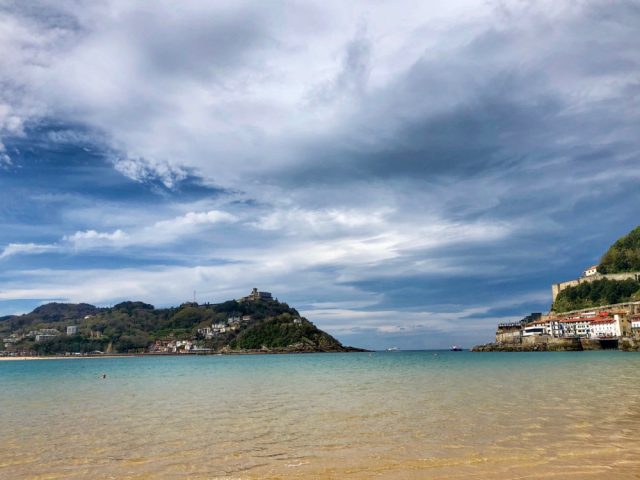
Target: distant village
[606, 326]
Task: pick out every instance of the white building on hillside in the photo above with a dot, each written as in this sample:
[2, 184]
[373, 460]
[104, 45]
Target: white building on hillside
[535, 329]
[206, 332]
[43, 337]
[555, 327]
[590, 271]
[219, 328]
[575, 327]
[604, 327]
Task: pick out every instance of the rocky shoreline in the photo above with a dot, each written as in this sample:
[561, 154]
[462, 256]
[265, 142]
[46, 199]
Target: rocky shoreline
[547, 344]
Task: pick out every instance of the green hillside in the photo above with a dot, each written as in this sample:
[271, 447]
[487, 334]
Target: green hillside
[133, 326]
[624, 255]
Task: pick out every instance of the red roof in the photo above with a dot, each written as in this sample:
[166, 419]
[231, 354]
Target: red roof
[603, 320]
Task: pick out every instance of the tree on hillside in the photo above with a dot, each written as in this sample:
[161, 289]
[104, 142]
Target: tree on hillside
[597, 293]
[624, 255]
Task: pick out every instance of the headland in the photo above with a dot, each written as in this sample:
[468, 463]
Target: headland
[255, 324]
[599, 310]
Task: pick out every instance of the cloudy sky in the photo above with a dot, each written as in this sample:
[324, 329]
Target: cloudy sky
[404, 173]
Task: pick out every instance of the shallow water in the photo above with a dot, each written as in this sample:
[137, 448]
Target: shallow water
[383, 415]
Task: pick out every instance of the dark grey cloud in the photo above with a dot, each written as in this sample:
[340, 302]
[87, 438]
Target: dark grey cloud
[487, 107]
[205, 47]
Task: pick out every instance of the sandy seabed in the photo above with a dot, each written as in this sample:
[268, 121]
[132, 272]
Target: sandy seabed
[395, 416]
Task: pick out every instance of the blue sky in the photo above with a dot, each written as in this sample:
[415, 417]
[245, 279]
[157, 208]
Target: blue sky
[404, 173]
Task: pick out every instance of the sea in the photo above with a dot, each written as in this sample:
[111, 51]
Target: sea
[383, 415]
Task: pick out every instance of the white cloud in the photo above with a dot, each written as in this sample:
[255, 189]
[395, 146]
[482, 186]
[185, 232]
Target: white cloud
[190, 219]
[92, 238]
[298, 220]
[5, 159]
[158, 233]
[143, 170]
[27, 248]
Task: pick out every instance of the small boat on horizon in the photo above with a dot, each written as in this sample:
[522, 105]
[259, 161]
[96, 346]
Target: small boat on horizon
[456, 348]
[393, 349]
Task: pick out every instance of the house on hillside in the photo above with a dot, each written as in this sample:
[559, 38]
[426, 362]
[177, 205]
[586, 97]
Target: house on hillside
[43, 334]
[218, 327]
[12, 339]
[605, 327]
[206, 332]
[590, 271]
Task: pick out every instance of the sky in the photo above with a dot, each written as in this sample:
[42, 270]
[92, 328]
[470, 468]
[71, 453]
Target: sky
[404, 173]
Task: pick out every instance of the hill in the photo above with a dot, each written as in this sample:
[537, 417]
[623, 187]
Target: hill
[623, 255]
[233, 326]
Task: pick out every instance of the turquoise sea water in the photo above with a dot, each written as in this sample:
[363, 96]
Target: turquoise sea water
[358, 415]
